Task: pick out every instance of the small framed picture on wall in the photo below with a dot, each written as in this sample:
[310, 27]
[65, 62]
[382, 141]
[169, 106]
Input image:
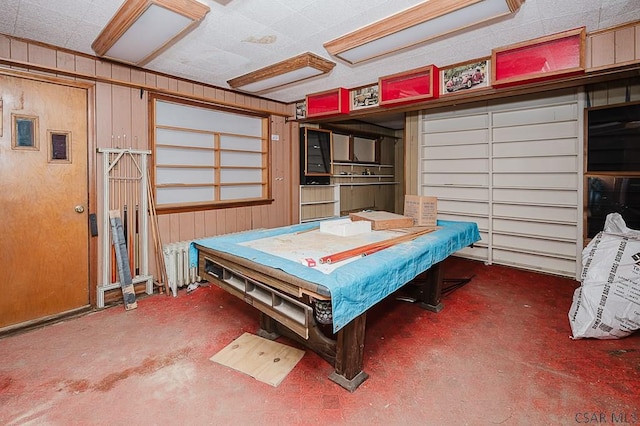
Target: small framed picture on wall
[466, 76]
[364, 97]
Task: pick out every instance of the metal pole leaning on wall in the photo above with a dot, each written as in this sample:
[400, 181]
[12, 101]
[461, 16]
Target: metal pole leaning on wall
[124, 167]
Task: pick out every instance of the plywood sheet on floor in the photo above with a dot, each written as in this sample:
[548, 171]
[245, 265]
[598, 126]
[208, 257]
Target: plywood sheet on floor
[262, 359]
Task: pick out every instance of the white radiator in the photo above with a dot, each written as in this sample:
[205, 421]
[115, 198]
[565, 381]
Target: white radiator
[176, 259]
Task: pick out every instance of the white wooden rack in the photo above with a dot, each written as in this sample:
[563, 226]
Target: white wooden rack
[124, 187]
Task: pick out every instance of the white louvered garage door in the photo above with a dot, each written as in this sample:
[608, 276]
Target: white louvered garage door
[515, 169]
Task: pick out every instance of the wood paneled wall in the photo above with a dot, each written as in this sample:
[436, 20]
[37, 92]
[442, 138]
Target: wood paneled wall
[613, 47]
[613, 92]
[120, 119]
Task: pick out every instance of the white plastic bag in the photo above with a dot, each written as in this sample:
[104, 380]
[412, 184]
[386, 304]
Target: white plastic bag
[607, 304]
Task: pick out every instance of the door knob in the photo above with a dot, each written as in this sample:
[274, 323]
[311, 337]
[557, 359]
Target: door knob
[79, 209]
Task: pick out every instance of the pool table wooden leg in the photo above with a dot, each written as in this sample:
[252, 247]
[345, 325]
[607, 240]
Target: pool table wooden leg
[350, 355]
[429, 288]
[268, 327]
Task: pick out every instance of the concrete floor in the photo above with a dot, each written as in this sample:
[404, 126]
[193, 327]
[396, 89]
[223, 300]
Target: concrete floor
[499, 353]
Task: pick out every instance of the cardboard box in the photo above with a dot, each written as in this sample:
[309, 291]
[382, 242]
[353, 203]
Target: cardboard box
[423, 209]
[383, 220]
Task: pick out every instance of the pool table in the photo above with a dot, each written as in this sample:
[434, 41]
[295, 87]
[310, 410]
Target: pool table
[324, 307]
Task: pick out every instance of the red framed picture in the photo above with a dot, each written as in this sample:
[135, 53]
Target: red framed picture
[410, 86]
[543, 58]
[330, 102]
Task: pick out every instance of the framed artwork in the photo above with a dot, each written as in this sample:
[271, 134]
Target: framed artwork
[466, 76]
[364, 97]
[59, 146]
[25, 132]
[544, 58]
[301, 110]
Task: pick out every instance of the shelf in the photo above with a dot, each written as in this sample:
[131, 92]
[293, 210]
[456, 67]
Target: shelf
[340, 163]
[312, 203]
[367, 183]
[315, 219]
[318, 202]
[362, 176]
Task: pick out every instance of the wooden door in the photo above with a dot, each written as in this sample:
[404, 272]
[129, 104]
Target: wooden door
[44, 257]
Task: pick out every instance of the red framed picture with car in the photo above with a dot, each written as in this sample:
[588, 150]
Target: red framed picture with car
[465, 76]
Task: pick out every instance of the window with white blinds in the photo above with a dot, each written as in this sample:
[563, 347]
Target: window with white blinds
[515, 169]
[205, 156]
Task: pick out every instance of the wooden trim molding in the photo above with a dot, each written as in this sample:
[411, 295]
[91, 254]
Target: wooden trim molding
[303, 60]
[407, 18]
[96, 78]
[411, 17]
[514, 5]
[130, 12]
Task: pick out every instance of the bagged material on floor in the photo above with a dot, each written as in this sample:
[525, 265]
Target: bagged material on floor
[607, 304]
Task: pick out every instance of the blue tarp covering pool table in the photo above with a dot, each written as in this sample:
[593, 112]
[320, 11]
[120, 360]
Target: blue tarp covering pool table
[358, 285]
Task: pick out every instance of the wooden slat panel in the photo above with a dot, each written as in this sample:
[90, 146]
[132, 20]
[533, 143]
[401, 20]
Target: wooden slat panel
[637, 42]
[602, 49]
[457, 193]
[528, 244]
[5, 46]
[460, 166]
[536, 213]
[19, 50]
[455, 152]
[412, 143]
[41, 55]
[174, 228]
[210, 223]
[588, 47]
[456, 124]
[532, 148]
[544, 115]
[567, 146]
[548, 230]
[536, 164]
[85, 65]
[466, 137]
[199, 224]
[535, 262]
[462, 179]
[139, 114]
[625, 45]
[464, 207]
[536, 196]
[564, 129]
[230, 220]
[66, 61]
[564, 180]
[186, 226]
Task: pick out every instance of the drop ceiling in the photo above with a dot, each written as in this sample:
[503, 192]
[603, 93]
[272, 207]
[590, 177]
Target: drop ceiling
[240, 36]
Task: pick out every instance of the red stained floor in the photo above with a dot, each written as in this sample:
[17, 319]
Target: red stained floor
[499, 353]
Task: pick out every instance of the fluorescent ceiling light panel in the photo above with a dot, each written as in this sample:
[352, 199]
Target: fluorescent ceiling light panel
[142, 29]
[291, 70]
[425, 21]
